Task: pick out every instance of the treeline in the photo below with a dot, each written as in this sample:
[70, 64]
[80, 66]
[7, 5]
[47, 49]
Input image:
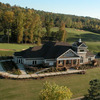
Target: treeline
[24, 25]
[72, 21]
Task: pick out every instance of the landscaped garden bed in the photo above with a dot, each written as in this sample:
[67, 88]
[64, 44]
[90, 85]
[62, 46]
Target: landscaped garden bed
[11, 67]
[34, 69]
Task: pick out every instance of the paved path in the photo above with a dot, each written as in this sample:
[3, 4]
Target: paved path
[21, 68]
[27, 76]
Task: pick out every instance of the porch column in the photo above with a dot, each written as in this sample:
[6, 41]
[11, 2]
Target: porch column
[57, 63]
[71, 62]
[64, 63]
[78, 61]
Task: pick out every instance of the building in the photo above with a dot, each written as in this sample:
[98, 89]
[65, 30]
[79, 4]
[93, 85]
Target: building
[57, 54]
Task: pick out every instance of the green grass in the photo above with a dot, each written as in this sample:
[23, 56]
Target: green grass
[15, 46]
[75, 34]
[91, 39]
[29, 89]
[6, 53]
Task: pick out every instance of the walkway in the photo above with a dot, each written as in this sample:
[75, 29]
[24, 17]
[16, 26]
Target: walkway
[22, 69]
[32, 76]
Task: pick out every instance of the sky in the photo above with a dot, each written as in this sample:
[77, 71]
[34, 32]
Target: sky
[90, 8]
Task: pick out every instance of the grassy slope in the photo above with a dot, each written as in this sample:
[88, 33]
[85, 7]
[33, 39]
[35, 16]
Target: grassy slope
[92, 39]
[15, 47]
[29, 89]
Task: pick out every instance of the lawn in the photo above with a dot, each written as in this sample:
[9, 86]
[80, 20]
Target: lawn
[91, 39]
[29, 89]
[15, 46]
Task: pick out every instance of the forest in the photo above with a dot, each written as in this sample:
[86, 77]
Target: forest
[25, 25]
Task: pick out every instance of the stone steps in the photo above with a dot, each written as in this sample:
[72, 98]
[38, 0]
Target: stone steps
[22, 69]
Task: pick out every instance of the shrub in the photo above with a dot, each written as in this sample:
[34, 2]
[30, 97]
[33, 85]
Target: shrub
[55, 92]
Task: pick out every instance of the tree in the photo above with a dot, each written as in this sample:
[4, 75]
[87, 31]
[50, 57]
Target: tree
[48, 25]
[68, 22]
[55, 92]
[20, 28]
[62, 32]
[7, 21]
[94, 91]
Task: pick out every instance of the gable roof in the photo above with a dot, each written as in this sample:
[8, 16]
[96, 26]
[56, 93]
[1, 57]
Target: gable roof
[69, 53]
[49, 50]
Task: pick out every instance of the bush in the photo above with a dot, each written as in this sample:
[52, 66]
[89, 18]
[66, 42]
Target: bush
[55, 92]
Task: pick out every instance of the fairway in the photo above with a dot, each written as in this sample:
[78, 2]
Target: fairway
[12, 48]
[29, 89]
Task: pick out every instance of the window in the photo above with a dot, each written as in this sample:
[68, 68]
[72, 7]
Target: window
[81, 50]
[81, 60]
[34, 62]
[89, 59]
[68, 62]
[61, 62]
[74, 61]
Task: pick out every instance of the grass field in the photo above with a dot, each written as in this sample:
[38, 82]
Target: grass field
[14, 47]
[29, 89]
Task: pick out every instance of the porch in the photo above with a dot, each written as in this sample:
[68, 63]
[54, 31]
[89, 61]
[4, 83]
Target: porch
[67, 63]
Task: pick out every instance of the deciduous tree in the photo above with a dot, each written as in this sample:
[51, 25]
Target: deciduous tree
[55, 92]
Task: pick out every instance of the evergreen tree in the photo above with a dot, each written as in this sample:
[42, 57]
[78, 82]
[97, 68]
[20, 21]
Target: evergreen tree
[94, 91]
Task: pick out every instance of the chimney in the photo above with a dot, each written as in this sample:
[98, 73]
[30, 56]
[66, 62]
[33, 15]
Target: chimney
[80, 41]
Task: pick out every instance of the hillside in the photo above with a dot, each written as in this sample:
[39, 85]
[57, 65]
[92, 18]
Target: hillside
[90, 38]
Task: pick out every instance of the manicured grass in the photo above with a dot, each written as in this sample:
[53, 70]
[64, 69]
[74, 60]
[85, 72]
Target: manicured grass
[75, 34]
[6, 53]
[91, 39]
[29, 89]
[15, 46]
[93, 46]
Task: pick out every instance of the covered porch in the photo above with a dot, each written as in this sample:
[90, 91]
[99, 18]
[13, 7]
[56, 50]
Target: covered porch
[68, 63]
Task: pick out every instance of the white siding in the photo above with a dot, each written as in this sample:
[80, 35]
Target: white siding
[30, 61]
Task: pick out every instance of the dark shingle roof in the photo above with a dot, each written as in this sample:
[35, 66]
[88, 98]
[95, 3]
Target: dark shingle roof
[49, 50]
[89, 54]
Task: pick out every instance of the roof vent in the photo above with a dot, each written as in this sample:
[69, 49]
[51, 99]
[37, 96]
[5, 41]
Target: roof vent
[80, 41]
